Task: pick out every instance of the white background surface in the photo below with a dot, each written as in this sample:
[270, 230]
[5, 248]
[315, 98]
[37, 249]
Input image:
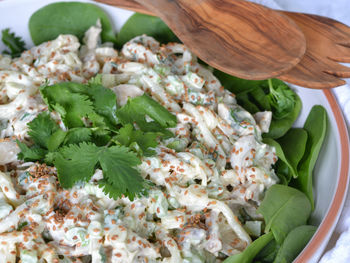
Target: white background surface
[337, 9]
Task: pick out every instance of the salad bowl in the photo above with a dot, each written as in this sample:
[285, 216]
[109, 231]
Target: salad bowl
[331, 174]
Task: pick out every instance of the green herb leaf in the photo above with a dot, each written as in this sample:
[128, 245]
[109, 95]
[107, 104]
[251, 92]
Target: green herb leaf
[316, 127]
[139, 24]
[41, 129]
[103, 99]
[251, 251]
[14, 43]
[76, 163]
[128, 136]
[284, 208]
[78, 135]
[73, 18]
[118, 165]
[71, 106]
[30, 154]
[56, 140]
[136, 110]
[294, 243]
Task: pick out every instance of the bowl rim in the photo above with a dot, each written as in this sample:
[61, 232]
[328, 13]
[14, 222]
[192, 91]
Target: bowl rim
[328, 223]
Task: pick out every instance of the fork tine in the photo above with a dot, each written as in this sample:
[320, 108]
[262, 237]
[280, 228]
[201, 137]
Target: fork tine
[305, 74]
[340, 53]
[337, 70]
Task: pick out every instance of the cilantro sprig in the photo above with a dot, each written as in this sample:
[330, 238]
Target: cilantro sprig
[14, 43]
[96, 134]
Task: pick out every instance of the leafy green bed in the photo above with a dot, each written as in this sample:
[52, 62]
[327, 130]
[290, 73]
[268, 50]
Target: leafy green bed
[286, 206]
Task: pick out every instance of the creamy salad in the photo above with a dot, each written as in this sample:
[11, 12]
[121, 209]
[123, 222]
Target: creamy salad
[208, 180]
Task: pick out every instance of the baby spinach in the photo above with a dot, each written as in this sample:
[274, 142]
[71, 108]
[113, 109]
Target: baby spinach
[294, 243]
[280, 154]
[316, 127]
[283, 209]
[68, 18]
[139, 24]
[251, 251]
[260, 95]
[293, 144]
[279, 127]
[289, 149]
[268, 253]
[281, 99]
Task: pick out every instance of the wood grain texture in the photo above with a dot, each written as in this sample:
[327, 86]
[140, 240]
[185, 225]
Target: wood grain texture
[328, 42]
[238, 37]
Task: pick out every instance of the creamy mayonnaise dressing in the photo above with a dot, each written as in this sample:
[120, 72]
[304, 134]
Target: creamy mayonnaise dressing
[209, 179]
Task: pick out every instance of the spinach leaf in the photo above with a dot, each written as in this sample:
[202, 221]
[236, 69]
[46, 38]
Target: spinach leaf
[316, 127]
[139, 24]
[260, 95]
[280, 154]
[68, 18]
[279, 127]
[284, 208]
[251, 251]
[268, 253]
[293, 144]
[281, 99]
[294, 243]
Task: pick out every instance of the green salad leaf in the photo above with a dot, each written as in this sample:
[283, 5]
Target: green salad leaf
[284, 208]
[251, 251]
[14, 43]
[316, 127]
[136, 110]
[260, 95]
[74, 18]
[139, 24]
[42, 128]
[294, 243]
[281, 99]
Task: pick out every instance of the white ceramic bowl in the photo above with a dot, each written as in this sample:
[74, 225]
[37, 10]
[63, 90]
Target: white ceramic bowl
[332, 168]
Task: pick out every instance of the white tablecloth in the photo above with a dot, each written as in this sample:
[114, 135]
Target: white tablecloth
[338, 248]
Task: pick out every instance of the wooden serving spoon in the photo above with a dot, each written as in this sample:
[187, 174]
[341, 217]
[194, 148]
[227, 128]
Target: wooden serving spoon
[238, 37]
[328, 42]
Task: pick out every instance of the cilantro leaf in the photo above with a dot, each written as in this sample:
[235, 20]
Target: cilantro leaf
[76, 163]
[78, 135]
[118, 165]
[41, 128]
[56, 140]
[138, 108]
[71, 106]
[103, 99]
[129, 137]
[30, 154]
[15, 44]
